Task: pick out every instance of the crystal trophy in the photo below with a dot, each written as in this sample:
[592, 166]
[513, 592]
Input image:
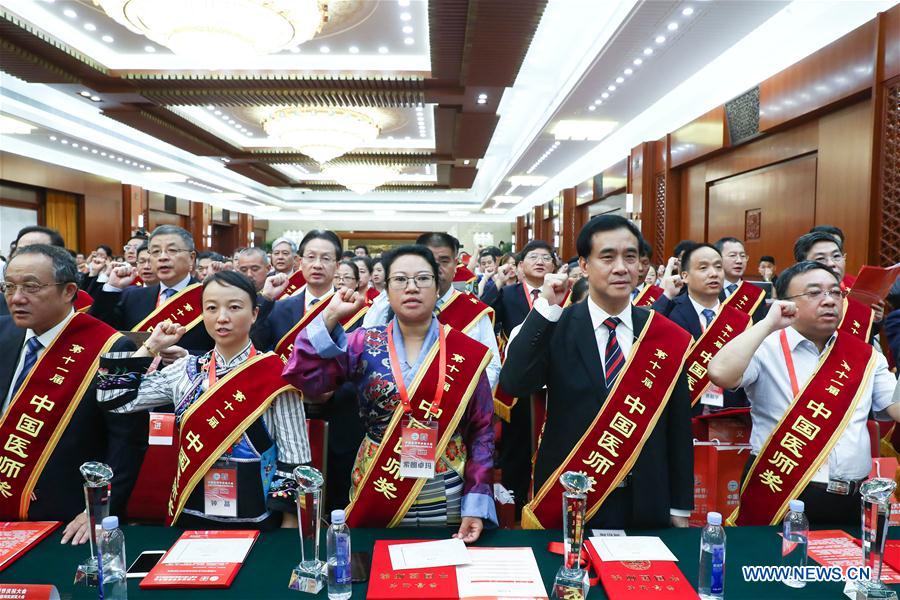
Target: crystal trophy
[876, 516]
[571, 581]
[96, 499]
[310, 575]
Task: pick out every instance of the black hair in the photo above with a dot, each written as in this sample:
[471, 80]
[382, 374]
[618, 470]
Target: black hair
[143, 248]
[215, 256]
[181, 232]
[64, 269]
[720, 243]
[579, 290]
[322, 234]
[600, 223]
[140, 234]
[72, 253]
[415, 249]
[535, 245]
[55, 237]
[490, 251]
[831, 230]
[572, 262]
[364, 247]
[806, 241]
[439, 239]
[645, 250]
[366, 259]
[233, 279]
[681, 246]
[348, 254]
[689, 251]
[352, 266]
[105, 248]
[767, 258]
[798, 268]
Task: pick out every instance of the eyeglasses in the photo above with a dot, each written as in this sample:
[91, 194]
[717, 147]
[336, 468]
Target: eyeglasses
[312, 258]
[347, 279]
[836, 257]
[29, 289]
[819, 295]
[128, 247]
[399, 282]
[544, 258]
[157, 252]
[734, 255]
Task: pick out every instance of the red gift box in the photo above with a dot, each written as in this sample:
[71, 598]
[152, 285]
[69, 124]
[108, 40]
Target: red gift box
[717, 479]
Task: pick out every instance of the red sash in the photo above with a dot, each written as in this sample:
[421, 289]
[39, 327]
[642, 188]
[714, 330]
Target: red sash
[729, 322]
[184, 308]
[614, 440]
[41, 410]
[463, 311]
[371, 294]
[807, 432]
[285, 345]
[83, 301]
[355, 318]
[212, 424]
[858, 319]
[647, 296]
[138, 282]
[747, 297]
[463, 274]
[295, 283]
[382, 496]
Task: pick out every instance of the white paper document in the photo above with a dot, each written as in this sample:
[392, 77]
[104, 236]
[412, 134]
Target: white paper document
[633, 547]
[500, 573]
[424, 555]
[228, 550]
[608, 532]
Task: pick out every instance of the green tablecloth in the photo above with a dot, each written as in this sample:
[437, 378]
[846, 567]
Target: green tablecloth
[266, 572]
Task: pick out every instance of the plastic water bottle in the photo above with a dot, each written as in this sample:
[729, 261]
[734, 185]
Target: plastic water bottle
[338, 557]
[111, 550]
[794, 542]
[711, 581]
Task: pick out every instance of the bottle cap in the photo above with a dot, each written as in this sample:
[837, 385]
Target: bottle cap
[714, 518]
[338, 517]
[110, 523]
[797, 505]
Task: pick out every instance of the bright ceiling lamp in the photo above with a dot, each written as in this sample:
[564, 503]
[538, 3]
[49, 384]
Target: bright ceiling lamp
[359, 178]
[582, 129]
[322, 133]
[217, 28]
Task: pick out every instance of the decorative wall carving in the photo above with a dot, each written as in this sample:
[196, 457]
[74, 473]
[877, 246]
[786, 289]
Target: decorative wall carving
[752, 224]
[890, 176]
[659, 228]
[742, 116]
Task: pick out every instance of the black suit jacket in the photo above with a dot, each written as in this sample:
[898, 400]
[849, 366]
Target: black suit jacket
[123, 310]
[510, 307]
[758, 315]
[92, 434]
[682, 313]
[275, 319]
[564, 357]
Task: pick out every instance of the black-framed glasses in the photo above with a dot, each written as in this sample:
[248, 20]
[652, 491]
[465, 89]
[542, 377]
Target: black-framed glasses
[819, 295]
[29, 289]
[399, 282]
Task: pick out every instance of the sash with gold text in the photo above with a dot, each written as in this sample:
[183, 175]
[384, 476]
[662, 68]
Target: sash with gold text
[41, 410]
[463, 311]
[295, 284]
[747, 297]
[383, 497]
[728, 324]
[184, 308]
[82, 302]
[355, 318]
[807, 432]
[614, 440]
[212, 424]
[285, 345]
[647, 296]
[858, 319]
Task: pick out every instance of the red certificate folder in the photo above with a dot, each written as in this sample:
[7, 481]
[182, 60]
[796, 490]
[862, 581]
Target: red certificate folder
[209, 574]
[873, 283]
[641, 579]
[17, 538]
[437, 583]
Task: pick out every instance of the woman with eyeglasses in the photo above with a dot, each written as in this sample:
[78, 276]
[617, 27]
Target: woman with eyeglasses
[346, 277]
[425, 401]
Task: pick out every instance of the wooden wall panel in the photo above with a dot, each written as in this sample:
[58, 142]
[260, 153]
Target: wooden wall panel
[61, 214]
[785, 195]
[568, 223]
[101, 218]
[701, 136]
[784, 145]
[693, 203]
[843, 183]
[891, 35]
[837, 71]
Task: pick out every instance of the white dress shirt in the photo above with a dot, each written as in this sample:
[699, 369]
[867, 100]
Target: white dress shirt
[768, 387]
[699, 308]
[45, 339]
[726, 283]
[308, 298]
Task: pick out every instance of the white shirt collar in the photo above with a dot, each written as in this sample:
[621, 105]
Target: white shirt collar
[48, 336]
[446, 297]
[728, 283]
[598, 315]
[178, 286]
[795, 338]
[700, 308]
[308, 297]
[529, 288]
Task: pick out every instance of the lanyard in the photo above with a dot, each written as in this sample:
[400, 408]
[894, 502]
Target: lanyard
[398, 374]
[789, 361]
[211, 366]
[528, 297]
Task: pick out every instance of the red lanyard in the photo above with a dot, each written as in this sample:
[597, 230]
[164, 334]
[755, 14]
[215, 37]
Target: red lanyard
[398, 374]
[211, 366]
[789, 361]
[528, 297]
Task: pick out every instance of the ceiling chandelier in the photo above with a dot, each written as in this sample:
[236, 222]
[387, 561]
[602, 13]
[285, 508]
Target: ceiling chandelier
[322, 133]
[217, 28]
[361, 178]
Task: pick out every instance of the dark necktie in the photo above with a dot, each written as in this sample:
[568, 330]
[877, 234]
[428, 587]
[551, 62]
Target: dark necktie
[166, 294]
[730, 289]
[614, 360]
[534, 296]
[708, 314]
[31, 355]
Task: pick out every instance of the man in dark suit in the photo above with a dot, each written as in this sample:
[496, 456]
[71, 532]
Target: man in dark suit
[734, 263]
[33, 234]
[702, 274]
[40, 287]
[123, 305]
[563, 349]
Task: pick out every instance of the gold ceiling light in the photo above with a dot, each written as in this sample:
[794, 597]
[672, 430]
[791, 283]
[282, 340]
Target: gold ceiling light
[323, 134]
[361, 178]
[221, 28]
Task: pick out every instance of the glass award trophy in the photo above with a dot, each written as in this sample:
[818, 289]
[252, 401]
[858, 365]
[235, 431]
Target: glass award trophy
[571, 581]
[310, 575]
[876, 516]
[96, 498]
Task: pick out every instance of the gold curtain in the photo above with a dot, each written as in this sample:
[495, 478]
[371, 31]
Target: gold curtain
[61, 214]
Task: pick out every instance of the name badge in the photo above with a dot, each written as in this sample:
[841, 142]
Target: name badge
[713, 396]
[220, 491]
[417, 450]
[162, 429]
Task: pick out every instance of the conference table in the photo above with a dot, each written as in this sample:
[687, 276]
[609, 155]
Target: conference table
[266, 572]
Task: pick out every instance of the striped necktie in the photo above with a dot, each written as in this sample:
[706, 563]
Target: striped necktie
[708, 314]
[614, 359]
[31, 350]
